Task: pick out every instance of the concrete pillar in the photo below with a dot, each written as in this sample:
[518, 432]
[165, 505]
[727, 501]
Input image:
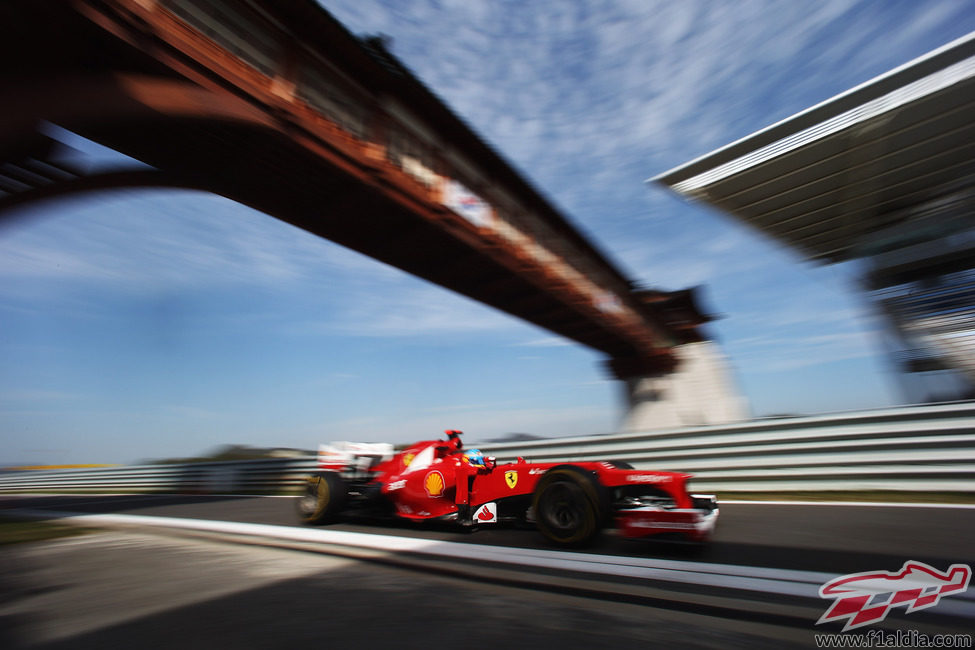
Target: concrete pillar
[701, 391]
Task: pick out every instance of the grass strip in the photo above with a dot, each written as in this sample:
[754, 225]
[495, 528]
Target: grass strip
[19, 531]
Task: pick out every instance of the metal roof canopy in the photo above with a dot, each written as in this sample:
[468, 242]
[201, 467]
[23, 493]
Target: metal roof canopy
[826, 179]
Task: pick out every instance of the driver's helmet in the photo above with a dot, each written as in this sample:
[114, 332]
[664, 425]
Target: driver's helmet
[474, 457]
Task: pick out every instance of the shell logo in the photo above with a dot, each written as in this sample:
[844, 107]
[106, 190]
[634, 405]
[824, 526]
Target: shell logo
[434, 484]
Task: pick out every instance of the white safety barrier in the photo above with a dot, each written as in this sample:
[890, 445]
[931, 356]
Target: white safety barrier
[249, 476]
[924, 449]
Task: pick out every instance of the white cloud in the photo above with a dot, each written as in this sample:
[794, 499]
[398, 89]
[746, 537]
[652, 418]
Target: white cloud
[782, 352]
[169, 237]
[394, 310]
[545, 342]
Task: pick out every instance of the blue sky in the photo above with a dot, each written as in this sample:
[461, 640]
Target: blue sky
[146, 324]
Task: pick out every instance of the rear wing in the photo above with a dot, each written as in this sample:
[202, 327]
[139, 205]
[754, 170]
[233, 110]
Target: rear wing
[341, 456]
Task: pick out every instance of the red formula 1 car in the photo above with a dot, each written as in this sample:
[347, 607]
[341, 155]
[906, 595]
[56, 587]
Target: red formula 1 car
[569, 503]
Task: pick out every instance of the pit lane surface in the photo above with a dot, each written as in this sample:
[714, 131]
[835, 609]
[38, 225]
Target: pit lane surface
[835, 539]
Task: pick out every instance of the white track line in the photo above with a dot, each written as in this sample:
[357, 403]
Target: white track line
[777, 581]
[866, 504]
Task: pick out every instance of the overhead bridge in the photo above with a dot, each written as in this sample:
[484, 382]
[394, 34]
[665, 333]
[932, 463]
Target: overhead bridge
[274, 104]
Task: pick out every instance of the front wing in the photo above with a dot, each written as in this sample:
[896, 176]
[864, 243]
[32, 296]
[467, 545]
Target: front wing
[695, 524]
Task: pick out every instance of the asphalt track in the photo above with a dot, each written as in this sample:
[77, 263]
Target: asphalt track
[128, 589]
[831, 539]
[826, 538]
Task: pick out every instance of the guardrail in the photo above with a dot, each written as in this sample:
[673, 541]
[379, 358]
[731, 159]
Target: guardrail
[249, 476]
[922, 449]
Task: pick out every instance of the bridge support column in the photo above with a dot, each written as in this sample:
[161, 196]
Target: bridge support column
[700, 391]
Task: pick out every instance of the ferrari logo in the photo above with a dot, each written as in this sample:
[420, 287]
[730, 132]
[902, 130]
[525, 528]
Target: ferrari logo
[434, 484]
[408, 458]
[511, 478]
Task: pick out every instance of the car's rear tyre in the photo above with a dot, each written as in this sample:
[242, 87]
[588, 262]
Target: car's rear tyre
[567, 506]
[322, 498]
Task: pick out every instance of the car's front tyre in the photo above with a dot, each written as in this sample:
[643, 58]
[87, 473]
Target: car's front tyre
[567, 506]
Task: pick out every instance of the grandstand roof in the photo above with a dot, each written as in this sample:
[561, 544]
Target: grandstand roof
[840, 178]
